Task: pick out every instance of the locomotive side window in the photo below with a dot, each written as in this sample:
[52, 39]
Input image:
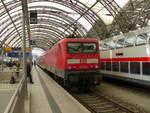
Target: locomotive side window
[108, 66]
[103, 65]
[146, 68]
[135, 67]
[115, 66]
[124, 67]
[82, 47]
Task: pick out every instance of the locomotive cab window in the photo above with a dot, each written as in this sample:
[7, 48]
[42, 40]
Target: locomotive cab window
[82, 47]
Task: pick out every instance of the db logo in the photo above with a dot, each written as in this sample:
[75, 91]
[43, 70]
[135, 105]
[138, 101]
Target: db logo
[83, 60]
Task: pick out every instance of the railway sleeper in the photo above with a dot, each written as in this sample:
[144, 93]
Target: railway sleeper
[115, 110]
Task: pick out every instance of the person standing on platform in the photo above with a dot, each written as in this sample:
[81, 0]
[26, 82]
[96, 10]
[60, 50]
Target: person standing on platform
[17, 68]
[29, 75]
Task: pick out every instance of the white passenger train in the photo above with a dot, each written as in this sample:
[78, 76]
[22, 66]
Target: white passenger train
[127, 57]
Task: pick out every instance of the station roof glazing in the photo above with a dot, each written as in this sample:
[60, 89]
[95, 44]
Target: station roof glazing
[57, 19]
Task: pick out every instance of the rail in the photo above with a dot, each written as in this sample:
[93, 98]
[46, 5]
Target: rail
[97, 102]
[16, 103]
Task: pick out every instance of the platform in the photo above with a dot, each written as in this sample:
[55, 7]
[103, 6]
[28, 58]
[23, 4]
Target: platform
[6, 89]
[48, 97]
[5, 96]
[38, 100]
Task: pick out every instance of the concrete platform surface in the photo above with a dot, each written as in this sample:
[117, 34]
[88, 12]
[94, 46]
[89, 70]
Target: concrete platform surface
[59, 99]
[5, 96]
[38, 100]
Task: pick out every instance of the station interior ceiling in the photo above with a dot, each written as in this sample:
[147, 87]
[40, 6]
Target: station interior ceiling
[48, 21]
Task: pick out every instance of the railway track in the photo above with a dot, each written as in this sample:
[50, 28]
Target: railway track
[98, 103]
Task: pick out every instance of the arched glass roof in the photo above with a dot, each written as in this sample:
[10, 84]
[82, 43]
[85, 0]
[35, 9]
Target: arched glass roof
[57, 19]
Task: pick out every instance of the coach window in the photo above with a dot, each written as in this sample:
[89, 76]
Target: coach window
[104, 47]
[111, 45]
[115, 66]
[148, 34]
[103, 65]
[135, 67]
[120, 43]
[146, 68]
[124, 67]
[108, 66]
[129, 42]
[141, 39]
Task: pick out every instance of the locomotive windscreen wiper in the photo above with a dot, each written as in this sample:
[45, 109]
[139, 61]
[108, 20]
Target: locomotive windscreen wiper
[73, 49]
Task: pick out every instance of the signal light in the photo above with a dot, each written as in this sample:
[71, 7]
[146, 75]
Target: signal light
[96, 66]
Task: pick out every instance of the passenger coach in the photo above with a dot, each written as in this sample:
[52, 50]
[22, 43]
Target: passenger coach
[127, 57]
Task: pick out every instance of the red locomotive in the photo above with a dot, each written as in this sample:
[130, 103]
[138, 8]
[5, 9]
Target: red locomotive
[74, 61]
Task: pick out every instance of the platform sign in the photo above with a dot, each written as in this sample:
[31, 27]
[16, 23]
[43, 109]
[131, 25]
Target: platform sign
[7, 49]
[33, 17]
[28, 49]
[16, 49]
[13, 54]
[27, 54]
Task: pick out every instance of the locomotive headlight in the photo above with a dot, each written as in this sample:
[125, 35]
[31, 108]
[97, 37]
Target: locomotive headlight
[93, 60]
[73, 61]
[96, 66]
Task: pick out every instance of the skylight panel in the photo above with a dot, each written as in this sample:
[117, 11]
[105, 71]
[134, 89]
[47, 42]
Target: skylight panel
[121, 3]
[85, 23]
[88, 3]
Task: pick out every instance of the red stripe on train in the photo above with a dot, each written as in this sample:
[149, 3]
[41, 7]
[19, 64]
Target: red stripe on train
[126, 59]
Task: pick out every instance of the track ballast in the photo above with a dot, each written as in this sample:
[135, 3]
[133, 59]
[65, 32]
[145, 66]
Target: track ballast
[99, 103]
